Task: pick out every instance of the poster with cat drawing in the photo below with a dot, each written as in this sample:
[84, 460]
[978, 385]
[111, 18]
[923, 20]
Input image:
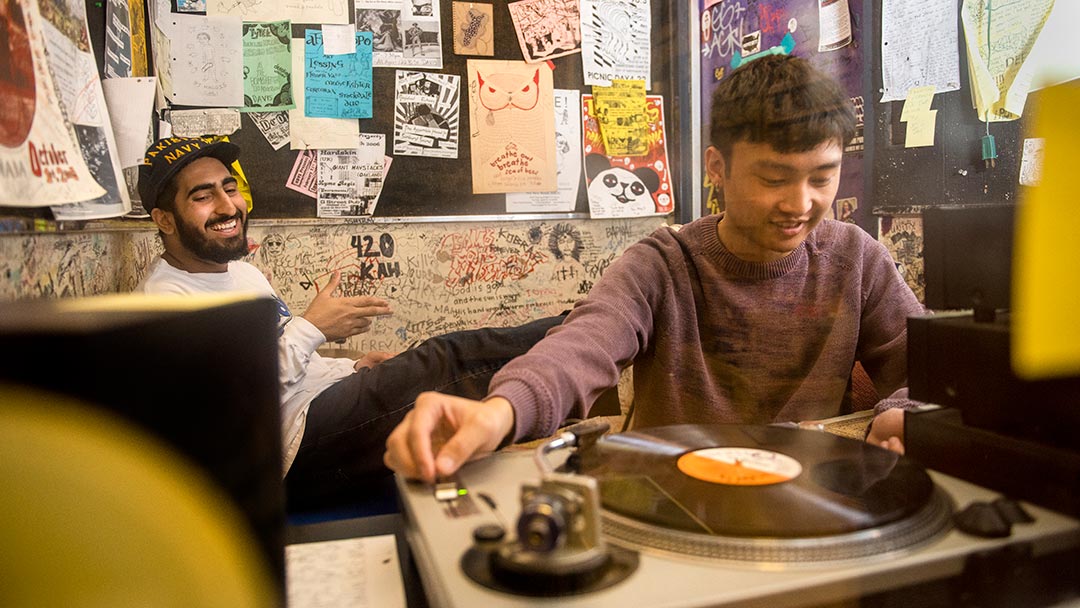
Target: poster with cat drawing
[623, 185]
[512, 126]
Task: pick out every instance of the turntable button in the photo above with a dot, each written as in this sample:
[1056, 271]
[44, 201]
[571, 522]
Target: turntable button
[1012, 511]
[982, 519]
[488, 533]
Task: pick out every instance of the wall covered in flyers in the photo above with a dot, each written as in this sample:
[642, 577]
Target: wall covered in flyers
[446, 154]
[247, 71]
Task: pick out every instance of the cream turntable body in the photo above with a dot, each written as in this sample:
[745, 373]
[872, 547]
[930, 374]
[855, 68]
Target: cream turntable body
[687, 568]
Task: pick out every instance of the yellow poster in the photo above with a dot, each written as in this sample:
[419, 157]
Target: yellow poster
[620, 111]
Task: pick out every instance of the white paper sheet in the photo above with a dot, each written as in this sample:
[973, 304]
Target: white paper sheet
[206, 61]
[209, 121]
[357, 572]
[297, 11]
[339, 39]
[131, 108]
[84, 103]
[615, 41]
[918, 46]
[567, 159]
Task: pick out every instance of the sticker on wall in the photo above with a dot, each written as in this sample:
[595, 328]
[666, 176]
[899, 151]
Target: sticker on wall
[474, 32]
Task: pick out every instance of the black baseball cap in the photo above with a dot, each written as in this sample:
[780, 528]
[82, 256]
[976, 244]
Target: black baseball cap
[168, 156]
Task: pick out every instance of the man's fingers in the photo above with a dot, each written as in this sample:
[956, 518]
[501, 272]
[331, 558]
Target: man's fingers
[419, 426]
[397, 457]
[481, 433]
[371, 301]
[373, 311]
[331, 285]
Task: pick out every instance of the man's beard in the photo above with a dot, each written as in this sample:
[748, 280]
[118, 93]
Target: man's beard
[219, 252]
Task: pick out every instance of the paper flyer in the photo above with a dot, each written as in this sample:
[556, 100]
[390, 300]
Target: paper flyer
[426, 114]
[627, 186]
[40, 159]
[567, 159]
[267, 66]
[511, 126]
[615, 41]
[547, 29]
[406, 34]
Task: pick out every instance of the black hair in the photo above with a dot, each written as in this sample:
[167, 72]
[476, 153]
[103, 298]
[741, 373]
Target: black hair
[782, 101]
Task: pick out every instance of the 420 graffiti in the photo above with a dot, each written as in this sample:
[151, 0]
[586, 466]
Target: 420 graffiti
[365, 246]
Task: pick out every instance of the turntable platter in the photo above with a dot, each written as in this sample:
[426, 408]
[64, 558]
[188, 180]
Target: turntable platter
[761, 493]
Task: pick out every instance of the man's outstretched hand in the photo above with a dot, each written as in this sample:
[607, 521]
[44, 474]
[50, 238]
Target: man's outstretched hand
[340, 317]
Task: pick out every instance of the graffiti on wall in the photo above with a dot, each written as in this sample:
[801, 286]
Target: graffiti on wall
[445, 277]
[437, 277]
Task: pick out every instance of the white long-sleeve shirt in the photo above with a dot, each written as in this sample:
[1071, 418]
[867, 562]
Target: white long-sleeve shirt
[303, 373]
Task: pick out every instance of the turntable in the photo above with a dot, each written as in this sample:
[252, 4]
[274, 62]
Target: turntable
[695, 515]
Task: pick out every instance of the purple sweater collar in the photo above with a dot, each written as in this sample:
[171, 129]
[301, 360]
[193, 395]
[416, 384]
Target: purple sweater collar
[741, 268]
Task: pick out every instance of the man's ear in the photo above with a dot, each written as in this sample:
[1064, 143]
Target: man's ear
[165, 220]
[715, 167]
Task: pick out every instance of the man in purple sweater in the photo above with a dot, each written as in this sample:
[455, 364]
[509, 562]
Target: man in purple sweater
[755, 315]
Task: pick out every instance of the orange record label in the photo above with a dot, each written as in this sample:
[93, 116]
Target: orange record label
[739, 466]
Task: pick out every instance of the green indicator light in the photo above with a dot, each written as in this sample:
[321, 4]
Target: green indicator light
[462, 492]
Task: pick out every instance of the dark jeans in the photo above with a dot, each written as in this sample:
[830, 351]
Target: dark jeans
[347, 425]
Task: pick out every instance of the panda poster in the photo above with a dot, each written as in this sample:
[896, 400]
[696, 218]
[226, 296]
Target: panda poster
[623, 185]
[512, 126]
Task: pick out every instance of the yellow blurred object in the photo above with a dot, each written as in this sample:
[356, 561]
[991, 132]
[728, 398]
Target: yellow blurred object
[241, 181]
[1046, 271]
[97, 513]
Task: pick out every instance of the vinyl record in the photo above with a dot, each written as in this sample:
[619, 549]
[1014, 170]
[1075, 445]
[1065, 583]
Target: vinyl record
[754, 481]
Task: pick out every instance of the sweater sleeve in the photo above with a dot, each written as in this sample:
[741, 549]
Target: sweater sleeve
[296, 348]
[564, 373]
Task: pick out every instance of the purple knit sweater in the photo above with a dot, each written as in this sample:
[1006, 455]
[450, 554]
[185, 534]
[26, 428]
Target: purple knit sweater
[715, 339]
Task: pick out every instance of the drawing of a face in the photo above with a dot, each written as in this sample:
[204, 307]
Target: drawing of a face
[617, 187]
[274, 245]
[421, 8]
[502, 90]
